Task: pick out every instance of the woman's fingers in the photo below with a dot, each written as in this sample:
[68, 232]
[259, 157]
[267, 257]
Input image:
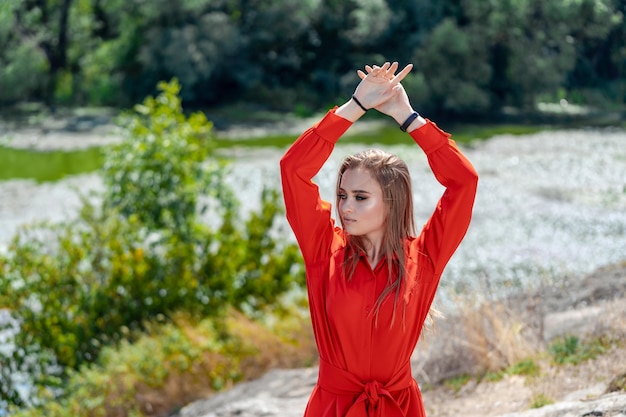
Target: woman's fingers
[392, 70]
[405, 71]
[385, 77]
[387, 70]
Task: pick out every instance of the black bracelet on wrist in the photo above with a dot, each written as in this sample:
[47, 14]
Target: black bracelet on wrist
[359, 103]
[408, 121]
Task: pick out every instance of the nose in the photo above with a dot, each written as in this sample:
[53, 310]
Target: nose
[345, 206]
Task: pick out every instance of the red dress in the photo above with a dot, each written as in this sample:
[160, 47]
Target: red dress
[365, 367]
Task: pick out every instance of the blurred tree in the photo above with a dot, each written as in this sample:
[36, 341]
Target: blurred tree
[275, 49]
[199, 53]
[533, 45]
[410, 24]
[346, 35]
[530, 48]
[143, 43]
[20, 52]
[199, 42]
[289, 54]
[456, 69]
[48, 22]
[46, 40]
[599, 35]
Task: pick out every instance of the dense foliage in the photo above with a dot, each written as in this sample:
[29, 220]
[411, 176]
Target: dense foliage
[176, 363]
[138, 253]
[471, 56]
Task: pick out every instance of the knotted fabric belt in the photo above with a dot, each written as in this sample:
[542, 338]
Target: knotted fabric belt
[374, 398]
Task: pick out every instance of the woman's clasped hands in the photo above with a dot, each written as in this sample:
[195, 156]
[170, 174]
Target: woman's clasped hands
[380, 89]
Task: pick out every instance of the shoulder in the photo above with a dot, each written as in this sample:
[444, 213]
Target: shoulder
[416, 254]
[340, 240]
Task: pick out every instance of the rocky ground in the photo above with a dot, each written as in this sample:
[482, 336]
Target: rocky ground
[594, 306]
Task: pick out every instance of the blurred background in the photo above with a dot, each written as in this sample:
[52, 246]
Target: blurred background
[145, 261]
[470, 57]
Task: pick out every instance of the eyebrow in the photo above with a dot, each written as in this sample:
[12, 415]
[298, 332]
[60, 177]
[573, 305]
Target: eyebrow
[357, 191]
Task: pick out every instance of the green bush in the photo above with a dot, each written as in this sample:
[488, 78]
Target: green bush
[570, 350]
[526, 367]
[161, 170]
[171, 365]
[140, 256]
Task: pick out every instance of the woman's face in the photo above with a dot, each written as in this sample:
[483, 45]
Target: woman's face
[361, 205]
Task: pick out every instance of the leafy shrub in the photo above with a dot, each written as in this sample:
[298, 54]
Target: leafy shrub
[570, 350]
[161, 170]
[526, 367]
[174, 364]
[142, 255]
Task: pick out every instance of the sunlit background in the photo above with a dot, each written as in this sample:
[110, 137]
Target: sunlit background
[147, 135]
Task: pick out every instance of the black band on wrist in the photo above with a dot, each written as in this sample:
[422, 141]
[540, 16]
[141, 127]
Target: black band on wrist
[408, 121]
[358, 102]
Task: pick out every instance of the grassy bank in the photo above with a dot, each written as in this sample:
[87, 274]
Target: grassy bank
[42, 166]
[47, 166]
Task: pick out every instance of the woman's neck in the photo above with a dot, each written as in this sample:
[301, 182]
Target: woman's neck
[373, 251]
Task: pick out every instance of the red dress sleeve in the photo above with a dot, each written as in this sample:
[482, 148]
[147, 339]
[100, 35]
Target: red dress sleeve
[308, 215]
[448, 224]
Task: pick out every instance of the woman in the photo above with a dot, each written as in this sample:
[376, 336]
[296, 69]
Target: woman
[371, 281]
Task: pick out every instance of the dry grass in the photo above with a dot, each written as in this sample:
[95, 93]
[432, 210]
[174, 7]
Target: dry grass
[492, 338]
[254, 350]
[483, 337]
[486, 334]
[497, 337]
[288, 344]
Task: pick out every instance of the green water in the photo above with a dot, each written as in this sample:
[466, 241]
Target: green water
[45, 166]
[49, 165]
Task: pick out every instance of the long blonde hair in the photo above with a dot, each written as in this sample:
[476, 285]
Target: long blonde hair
[392, 174]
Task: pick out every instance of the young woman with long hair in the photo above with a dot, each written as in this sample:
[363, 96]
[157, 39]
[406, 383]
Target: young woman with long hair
[371, 281]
